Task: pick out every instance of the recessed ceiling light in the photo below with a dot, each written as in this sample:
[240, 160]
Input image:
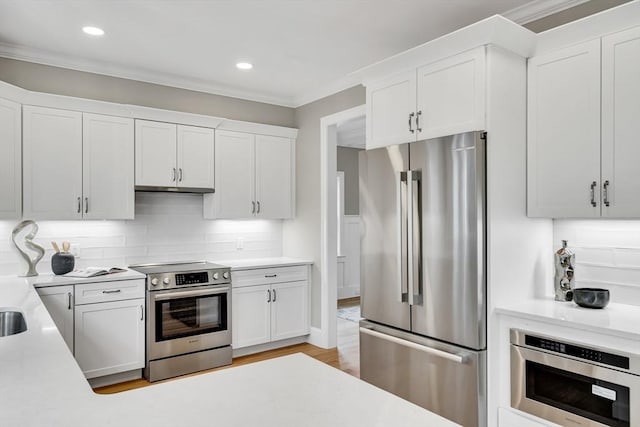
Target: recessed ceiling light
[244, 65]
[93, 31]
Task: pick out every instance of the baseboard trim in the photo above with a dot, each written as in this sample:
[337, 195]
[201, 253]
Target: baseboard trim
[268, 346]
[120, 377]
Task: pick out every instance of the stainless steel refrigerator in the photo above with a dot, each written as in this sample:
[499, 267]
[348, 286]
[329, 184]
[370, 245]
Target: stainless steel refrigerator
[423, 279]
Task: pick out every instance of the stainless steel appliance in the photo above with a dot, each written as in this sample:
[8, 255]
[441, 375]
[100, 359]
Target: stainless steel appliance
[574, 384]
[423, 286]
[189, 318]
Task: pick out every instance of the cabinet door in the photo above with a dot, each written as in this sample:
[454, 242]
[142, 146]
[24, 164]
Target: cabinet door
[391, 106]
[451, 95]
[52, 162]
[250, 316]
[110, 337]
[10, 159]
[621, 124]
[58, 301]
[273, 176]
[235, 175]
[289, 310]
[108, 167]
[563, 149]
[155, 154]
[195, 157]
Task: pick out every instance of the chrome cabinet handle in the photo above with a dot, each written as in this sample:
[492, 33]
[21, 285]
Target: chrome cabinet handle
[141, 312]
[274, 295]
[593, 193]
[605, 191]
[418, 121]
[258, 203]
[270, 275]
[180, 175]
[268, 295]
[116, 291]
[79, 204]
[253, 207]
[411, 117]
[69, 306]
[174, 175]
[86, 205]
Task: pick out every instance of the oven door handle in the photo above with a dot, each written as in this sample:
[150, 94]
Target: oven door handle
[194, 293]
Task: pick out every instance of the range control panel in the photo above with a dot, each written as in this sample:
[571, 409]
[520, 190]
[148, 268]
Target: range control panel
[580, 352]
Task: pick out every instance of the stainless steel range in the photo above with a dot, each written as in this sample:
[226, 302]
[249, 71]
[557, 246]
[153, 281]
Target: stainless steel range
[189, 317]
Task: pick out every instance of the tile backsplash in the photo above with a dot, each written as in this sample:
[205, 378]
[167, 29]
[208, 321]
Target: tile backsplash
[607, 255]
[167, 227]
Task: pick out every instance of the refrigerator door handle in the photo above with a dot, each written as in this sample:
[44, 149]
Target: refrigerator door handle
[432, 351]
[402, 215]
[414, 234]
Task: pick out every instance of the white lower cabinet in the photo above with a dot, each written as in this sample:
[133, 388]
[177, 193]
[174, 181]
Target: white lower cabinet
[509, 418]
[110, 337]
[269, 311]
[59, 303]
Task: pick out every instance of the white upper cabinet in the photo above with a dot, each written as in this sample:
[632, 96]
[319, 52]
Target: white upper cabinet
[254, 177]
[273, 177]
[108, 165]
[621, 124]
[391, 107]
[195, 157]
[52, 174]
[77, 165]
[438, 99]
[155, 154]
[584, 104]
[10, 159]
[451, 95]
[563, 149]
[169, 155]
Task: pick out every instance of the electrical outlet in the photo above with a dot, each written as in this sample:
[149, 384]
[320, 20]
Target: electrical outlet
[240, 244]
[75, 250]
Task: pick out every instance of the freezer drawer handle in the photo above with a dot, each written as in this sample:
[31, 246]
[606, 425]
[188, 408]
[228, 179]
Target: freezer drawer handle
[435, 352]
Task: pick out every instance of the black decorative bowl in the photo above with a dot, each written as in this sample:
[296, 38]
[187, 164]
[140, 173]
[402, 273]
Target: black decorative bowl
[591, 297]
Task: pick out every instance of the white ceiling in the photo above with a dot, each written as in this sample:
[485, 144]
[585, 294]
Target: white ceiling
[301, 49]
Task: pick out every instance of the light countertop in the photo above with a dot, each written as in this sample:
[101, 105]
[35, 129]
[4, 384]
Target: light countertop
[615, 319]
[45, 280]
[247, 264]
[43, 386]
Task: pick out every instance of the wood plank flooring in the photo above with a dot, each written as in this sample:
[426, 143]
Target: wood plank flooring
[345, 357]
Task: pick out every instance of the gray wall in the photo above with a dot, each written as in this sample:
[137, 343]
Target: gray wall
[301, 235]
[348, 163]
[63, 81]
[572, 14]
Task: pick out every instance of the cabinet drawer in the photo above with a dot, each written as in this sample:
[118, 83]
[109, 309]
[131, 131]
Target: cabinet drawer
[262, 276]
[109, 291]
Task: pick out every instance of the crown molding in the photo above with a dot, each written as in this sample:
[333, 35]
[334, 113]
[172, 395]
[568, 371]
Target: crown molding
[538, 9]
[98, 67]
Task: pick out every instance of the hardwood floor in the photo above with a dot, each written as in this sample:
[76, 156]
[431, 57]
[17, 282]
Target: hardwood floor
[345, 357]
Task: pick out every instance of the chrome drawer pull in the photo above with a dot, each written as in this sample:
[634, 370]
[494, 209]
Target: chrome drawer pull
[270, 275]
[112, 292]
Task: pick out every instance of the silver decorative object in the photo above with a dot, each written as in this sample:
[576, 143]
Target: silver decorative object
[564, 280]
[28, 242]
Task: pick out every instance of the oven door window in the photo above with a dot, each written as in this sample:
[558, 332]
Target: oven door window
[598, 400]
[184, 317]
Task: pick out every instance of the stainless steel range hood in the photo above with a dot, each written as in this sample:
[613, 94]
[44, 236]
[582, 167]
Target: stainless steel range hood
[174, 189]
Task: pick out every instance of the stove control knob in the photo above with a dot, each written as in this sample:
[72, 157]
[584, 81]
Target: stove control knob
[166, 280]
[225, 274]
[154, 281]
[216, 276]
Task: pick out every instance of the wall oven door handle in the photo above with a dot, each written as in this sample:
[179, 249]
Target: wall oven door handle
[432, 351]
[186, 294]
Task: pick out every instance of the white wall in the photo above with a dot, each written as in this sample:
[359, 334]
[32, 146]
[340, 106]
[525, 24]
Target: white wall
[167, 227]
[607, 255]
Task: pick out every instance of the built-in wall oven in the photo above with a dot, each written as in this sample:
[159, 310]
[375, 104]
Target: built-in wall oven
[573, 384]
[189, 318]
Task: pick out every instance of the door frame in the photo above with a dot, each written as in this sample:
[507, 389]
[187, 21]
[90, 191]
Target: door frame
[326, 336]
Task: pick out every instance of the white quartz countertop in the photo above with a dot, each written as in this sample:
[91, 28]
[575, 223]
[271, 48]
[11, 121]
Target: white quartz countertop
[41, 385]
[615, 319]
[247, 264]
[45, 280]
